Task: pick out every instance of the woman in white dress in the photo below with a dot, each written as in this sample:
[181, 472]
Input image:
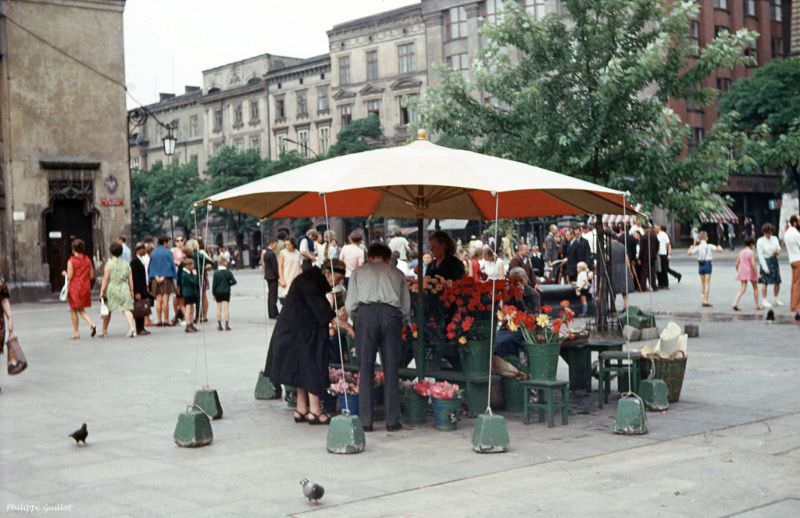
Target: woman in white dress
[493, 267]
[289, 266]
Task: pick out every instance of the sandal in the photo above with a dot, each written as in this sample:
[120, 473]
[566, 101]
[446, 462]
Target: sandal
[75, 337]
[312, 418]
[298, 417]
[327, 420]
[94, 331]
[17, 367]
[735, 308]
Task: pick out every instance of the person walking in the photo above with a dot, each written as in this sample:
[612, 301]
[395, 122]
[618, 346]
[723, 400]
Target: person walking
[352, 254]
[79, 275]
[221, 289]
[768, 248]
[664, 256]
[299, 349]
[379, 302]
[126, 251]
[190, 287]
[308, 247]
[117, 289]
[648, 257]
[746, 272]
[705, 254]
[178, 255]
[269, 262]
[619, 268]
[140, 291]
[14, 365]
[162, 280]
[400, 245]
[791, 239]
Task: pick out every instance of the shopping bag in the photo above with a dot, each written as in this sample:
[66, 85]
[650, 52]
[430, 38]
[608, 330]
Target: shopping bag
[15, 353]
[64, 289]
[104, 312]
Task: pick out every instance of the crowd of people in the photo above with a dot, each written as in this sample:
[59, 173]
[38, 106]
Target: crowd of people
[172, 280]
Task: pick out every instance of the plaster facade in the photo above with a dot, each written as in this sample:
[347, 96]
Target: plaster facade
[64, 167]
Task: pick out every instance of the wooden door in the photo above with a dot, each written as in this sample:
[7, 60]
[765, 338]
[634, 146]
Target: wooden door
[65, 222]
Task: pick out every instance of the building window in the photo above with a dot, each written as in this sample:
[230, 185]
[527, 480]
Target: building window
[238, 115]
[176, 128]
[322, 101]
[217, 146]
[405, 54]
[721, 4]
[281, 144]
[346, 113]
[723, 84]
[193, 128]
[302, 143]
[407, 114]
[459, 62]
[749, 7]
[694, 38]
[280, 109]
[695, 139]
[254, 116]
[494, 10]
[535, 8]
[691, 103]
[324, 139]
[777, 48]
[372, 65]
[302, 104]
[457, 22]
[344, 70]
[218, 119]
[135, 163]
[255, 144]
[720, 29]
[374, 108]
[752, 51]
[775, 13]
[193, 159]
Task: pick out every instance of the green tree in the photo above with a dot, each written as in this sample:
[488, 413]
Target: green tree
[359, 135]
[161, 193]
[760, 118]
[586, 95]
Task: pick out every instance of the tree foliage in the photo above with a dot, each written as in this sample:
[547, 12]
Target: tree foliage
[359, 135]
[161, 193]
[586, 94]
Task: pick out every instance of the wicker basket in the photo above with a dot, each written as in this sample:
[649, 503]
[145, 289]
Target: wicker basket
[669, 370]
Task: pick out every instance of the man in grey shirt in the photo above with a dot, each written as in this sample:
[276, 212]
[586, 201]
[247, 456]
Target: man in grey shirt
[379, 302]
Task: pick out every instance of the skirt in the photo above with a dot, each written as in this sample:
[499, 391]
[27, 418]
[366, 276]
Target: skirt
[704, 267]
[774, 275]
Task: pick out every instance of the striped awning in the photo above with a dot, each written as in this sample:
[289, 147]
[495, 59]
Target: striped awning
[614, 219]
[726, 215]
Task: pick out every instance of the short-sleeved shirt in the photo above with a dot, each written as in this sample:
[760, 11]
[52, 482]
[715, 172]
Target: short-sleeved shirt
[663, 242]
[450, 268]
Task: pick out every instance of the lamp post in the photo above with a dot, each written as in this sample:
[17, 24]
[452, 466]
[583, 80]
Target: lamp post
[138, 117]
[305, 146]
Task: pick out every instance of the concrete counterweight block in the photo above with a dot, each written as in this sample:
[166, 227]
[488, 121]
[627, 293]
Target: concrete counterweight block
[631, 334]
[692, 330]
[346, 435]
[193, 429]
[654, 393]
[490, 434]
[630, 418]
[265, 389]
[208, 400]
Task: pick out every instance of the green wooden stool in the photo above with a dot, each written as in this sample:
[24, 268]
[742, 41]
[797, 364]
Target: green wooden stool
[620, 362]
[545, 388]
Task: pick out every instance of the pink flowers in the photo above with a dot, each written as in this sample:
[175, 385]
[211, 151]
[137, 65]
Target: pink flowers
[423, 388]
[444, 390]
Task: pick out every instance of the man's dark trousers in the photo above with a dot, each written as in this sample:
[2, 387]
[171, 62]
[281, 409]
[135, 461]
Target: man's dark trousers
[272, 298]
[378, 328]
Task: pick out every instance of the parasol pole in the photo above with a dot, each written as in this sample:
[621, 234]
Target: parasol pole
[419, 347]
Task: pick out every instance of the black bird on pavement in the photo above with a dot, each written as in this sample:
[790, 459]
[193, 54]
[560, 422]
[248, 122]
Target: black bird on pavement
[770, 316]
[312, 490]
[80, 434]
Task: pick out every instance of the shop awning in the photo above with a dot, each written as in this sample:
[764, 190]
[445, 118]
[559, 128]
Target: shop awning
[726, 215]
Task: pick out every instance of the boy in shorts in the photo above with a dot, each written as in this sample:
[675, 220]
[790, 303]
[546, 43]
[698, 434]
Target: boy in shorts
[221, 289]
[191, 291]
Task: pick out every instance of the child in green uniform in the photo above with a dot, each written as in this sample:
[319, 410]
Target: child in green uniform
[221, 289]
[190, 291]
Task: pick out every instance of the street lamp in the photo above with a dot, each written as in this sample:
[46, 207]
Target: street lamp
[138, 118]
[304, 146]
[169, 142]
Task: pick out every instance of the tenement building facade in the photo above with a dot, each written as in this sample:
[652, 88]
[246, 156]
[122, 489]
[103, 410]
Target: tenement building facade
[63, 150]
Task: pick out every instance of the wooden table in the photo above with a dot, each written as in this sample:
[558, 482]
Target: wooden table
[578, 356]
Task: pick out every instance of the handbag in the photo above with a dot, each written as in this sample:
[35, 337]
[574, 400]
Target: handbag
[141, 308]
[15, 352]
[104, 312]
[64, 290]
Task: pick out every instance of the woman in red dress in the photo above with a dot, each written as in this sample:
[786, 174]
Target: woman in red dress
[79, 274]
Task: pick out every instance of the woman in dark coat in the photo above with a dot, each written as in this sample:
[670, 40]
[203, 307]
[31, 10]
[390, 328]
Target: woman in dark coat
[299, 348]
[620, 269]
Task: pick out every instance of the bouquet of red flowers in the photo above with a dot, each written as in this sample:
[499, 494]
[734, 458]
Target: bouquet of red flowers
[538, 328]
[472, 302]
[444, 390]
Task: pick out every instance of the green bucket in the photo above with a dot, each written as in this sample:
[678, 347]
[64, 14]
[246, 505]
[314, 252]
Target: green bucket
[475, 358]
[413, 408]
[542, 360]
[446, 413]
[513, 395]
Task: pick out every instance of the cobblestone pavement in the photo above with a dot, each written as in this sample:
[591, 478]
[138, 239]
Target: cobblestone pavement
[729, 447]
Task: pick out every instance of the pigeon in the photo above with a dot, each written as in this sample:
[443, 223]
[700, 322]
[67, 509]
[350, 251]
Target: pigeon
[80, 434]
[770, 316]
[312, 490]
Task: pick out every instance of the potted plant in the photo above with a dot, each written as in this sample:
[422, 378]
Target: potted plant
[542, 334]
[470, 304]
[345, 388]
[446, 405]
[414, 401]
